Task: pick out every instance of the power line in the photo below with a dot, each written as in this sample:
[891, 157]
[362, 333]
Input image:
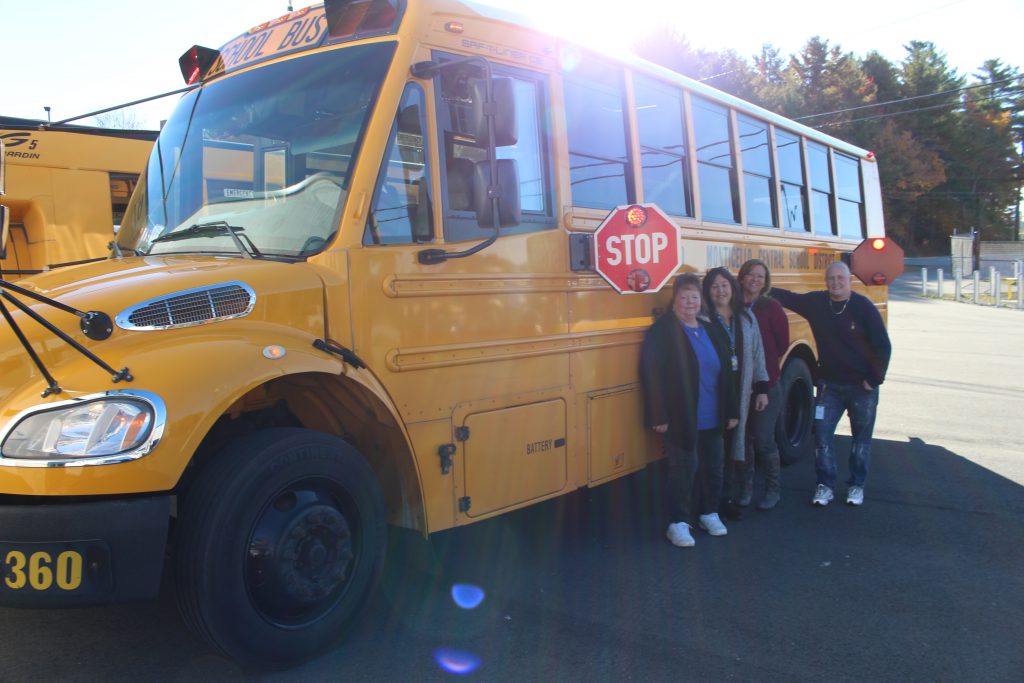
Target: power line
[912, 16]
[911, 111]
[909, 99]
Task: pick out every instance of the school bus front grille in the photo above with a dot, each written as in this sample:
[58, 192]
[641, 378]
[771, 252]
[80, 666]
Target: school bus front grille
[190, 307]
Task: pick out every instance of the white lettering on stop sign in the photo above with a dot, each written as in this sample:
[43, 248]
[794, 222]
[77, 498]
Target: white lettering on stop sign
[638, 249]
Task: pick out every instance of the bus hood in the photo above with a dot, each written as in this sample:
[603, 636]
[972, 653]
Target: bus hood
[158, 302]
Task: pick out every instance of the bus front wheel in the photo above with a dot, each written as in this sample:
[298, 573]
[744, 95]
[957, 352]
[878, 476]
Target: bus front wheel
[280, 543]
[794, 429]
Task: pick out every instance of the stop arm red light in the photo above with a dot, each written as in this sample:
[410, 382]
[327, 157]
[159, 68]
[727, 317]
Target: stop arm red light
[196, 63]
[636, 216]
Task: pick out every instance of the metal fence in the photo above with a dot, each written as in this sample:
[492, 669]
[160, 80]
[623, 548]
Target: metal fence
[968, 255]
[994, 289]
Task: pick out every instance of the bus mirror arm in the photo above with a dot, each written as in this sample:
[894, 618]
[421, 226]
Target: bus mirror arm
[433, 256]
[5, 218]
[5, 230]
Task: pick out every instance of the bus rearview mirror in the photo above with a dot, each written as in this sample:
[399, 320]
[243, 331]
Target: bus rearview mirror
[504, 105]
[508, 193]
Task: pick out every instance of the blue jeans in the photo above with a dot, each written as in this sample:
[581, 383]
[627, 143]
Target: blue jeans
[861, 405]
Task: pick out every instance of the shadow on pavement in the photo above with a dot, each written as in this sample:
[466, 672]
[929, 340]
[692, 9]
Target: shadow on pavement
[923, 582]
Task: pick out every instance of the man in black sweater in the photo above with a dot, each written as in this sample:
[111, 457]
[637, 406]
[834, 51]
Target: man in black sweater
[853, 355]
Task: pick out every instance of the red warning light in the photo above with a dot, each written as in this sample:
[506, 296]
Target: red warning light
[870, 156]
[636, 216]
[878, 244]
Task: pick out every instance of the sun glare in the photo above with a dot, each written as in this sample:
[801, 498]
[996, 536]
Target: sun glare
[607, 25]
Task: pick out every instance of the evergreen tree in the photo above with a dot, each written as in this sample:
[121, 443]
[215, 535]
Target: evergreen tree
[949, 155]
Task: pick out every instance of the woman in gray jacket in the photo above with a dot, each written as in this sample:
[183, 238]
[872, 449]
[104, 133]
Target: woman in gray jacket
[726, 307]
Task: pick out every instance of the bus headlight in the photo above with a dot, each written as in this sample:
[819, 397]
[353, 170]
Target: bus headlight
[97, 430]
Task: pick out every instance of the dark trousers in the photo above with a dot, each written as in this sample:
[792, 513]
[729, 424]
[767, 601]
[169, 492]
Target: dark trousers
[695, 477]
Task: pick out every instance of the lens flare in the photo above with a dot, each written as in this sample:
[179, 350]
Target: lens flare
[456, 661]
[467, 596]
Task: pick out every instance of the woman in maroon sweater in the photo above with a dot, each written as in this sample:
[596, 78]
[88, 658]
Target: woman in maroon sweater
[755, 280]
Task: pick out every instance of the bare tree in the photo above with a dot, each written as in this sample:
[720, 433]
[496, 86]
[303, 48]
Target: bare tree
[124, 119]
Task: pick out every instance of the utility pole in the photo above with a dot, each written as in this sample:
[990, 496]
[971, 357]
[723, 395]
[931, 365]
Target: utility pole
[1016, 210]
[47, 109]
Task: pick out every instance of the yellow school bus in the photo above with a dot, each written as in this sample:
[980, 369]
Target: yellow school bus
[354, 287]
[67, 188]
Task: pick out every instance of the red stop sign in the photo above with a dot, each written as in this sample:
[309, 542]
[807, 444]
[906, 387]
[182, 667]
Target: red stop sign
[637, 248]
[877, 261]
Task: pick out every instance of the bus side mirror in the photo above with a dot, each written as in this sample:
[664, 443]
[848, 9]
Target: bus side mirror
[5, 212]
[5, 227]
[508, 193]
[504, 107]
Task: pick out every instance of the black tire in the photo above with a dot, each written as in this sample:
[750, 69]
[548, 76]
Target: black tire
[794, 429]
[280, 542]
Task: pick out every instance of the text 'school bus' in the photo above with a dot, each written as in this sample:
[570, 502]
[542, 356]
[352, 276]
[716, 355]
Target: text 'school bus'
[66, 190]
[354, 287]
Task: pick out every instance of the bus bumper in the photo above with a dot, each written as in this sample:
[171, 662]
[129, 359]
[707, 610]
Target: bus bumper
[77, 554]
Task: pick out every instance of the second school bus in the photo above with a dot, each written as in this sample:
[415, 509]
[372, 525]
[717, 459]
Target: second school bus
[66, 190]
[311, 326]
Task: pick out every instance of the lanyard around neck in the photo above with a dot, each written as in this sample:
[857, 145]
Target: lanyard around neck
[730, 329]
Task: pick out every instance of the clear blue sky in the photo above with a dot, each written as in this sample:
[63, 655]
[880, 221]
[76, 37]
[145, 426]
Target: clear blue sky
[77, 56]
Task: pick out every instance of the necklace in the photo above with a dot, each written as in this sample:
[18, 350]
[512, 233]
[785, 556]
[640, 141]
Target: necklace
[841, 310]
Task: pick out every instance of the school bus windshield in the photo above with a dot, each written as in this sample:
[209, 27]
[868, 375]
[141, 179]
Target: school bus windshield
[269, 151]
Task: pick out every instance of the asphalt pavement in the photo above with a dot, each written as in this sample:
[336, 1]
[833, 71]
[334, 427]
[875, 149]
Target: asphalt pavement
[922, 583]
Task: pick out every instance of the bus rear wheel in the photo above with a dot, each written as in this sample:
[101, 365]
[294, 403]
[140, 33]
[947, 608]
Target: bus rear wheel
[794, 429]
[280, 543]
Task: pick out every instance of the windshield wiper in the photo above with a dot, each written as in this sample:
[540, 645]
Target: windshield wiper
[213, 229]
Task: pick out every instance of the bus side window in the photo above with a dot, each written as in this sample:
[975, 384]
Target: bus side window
[716, 168]
[661, 129]
[849, 197]
[121, 187]
[791, 182]
[401, 211]
[596, 125]
[821, 189]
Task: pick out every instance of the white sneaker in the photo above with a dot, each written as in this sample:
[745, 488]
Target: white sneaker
[679, 535]
[713, 525]
[822, 495]
[855, 495]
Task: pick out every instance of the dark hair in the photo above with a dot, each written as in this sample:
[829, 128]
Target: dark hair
[685, 280]
[749, 265]
[735, 303]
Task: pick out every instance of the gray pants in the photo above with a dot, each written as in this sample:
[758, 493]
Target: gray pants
[761, 449]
